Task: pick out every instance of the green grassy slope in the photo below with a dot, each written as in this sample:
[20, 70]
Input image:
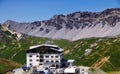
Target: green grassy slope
[105, 51]
[6, 38]
[6, 65]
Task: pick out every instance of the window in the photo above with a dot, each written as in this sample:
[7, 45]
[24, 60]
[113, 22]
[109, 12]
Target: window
[41, 60]
[47, 56]
[40, 64]
[51, 56]
[68, 63]
[30, 59]
[47, 61]
[37, 60]
[56, 56]
[53, 65]
[30, 64]
[37, 55]
[30, 55]
[52, 61]
[57, 66]
[57, 61]
[41, 56]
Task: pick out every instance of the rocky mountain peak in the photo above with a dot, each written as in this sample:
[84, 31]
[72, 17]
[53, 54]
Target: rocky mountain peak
[73, 26]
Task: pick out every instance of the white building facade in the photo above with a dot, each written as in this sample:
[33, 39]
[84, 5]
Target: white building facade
[44, 55]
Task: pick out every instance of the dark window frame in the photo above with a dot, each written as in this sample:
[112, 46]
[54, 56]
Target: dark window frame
[30, 60]
[30, 55]
[47, 56]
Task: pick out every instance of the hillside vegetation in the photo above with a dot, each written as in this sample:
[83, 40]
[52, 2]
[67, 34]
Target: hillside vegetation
[102, 53]
[6, 65]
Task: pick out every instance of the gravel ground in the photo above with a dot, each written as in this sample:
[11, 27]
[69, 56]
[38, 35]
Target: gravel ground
[20, 71]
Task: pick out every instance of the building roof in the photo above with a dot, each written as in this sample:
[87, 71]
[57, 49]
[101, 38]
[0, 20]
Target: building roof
[70, 70]
[71, 60]
[51, 47]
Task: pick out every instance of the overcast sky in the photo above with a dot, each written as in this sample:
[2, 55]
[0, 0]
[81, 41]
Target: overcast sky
[36, 10]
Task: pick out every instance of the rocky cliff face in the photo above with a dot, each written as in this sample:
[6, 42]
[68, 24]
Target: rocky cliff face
[5, 36]
[73, 26]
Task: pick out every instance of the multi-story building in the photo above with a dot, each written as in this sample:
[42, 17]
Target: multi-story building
[46, 55]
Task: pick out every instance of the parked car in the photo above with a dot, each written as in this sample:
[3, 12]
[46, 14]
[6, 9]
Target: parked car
[25, 68]
[41, 72]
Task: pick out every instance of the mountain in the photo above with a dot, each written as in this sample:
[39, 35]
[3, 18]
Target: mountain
[97, 52]
[6, 39]
[6, 36]
[102, 53]
[73, 26]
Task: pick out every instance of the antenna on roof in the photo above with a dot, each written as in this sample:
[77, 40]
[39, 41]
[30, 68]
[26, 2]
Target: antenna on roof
[49, 42]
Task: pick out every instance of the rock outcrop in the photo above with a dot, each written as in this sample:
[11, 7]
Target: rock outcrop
[73, 26]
